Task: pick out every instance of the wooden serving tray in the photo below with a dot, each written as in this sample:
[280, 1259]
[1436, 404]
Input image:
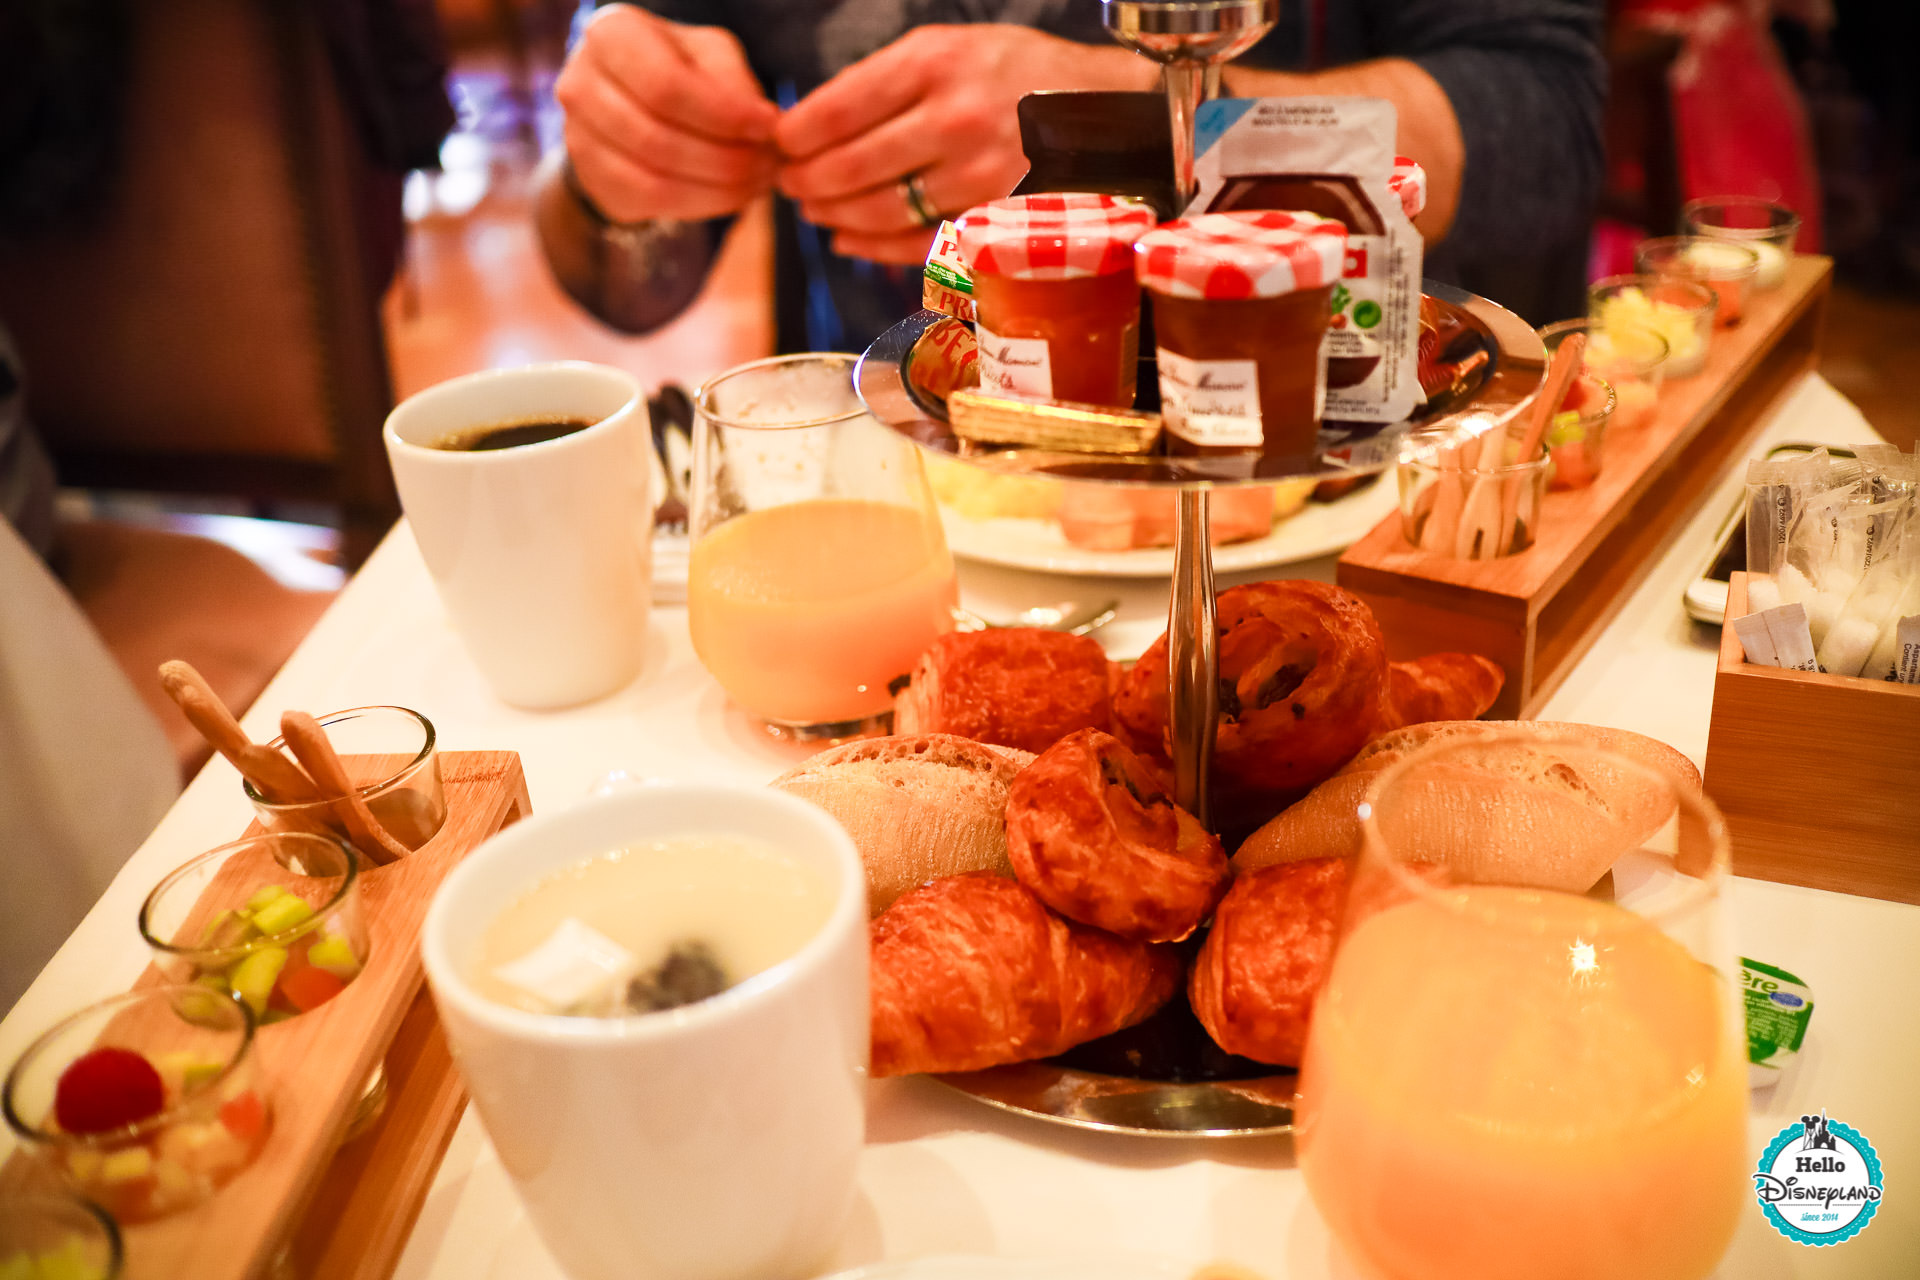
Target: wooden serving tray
[343, 1212]
[1537, 613]
[1815, 773]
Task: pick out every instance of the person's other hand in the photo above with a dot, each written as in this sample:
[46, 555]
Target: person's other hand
[664, 120]
[938, 103]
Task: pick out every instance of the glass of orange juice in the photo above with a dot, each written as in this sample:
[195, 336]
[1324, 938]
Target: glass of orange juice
[819, 572]
[1504, 1081]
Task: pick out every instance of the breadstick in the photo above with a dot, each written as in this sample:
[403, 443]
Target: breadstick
[277, 779]
[312, 748]
[1519, 505]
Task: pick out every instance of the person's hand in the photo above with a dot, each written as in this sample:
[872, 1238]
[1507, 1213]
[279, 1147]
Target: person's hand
[664, 120]
[936, 104]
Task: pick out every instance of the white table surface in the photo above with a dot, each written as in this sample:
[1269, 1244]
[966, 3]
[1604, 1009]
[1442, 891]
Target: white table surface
[945, 1175]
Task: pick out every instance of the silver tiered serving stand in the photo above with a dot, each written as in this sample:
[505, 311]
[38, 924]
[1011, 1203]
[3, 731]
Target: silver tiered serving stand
[1191, 38]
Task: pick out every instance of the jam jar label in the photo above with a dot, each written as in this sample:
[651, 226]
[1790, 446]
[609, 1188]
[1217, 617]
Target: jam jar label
[1016, 366]
[1211, 402]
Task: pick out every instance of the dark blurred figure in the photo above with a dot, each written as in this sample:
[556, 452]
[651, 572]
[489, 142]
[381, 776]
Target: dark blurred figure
[65, 68]
[1853, 60]
[62, 69]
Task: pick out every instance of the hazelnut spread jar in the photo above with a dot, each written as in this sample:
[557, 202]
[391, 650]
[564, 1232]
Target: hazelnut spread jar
[1058, 310]
[1334, 157]
[1240, 305]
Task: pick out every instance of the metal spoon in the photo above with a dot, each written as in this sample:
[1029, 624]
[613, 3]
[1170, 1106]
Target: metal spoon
[1070, 616]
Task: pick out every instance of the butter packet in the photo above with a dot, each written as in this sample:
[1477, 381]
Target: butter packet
[1778, 1007]
[946, 285]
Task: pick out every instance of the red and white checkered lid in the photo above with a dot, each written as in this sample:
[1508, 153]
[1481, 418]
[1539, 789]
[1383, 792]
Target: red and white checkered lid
[1055, 235]
[1253, 253]
[1409, 182]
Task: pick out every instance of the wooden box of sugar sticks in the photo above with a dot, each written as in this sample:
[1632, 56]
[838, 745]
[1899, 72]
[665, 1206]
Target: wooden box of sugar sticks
[1538, 611]
[1818, 775]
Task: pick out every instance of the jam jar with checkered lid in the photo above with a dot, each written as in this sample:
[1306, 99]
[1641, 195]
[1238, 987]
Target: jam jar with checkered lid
[1053, 285]
[1240, 306]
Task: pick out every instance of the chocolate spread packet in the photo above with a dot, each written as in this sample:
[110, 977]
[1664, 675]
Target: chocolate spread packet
[1334, 157]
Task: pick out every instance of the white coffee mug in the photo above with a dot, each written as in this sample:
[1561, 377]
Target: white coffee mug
[716, 1141]
[541, 552]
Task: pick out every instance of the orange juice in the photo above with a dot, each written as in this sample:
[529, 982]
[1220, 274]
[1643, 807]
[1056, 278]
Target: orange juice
[1509, 1083]
[805, 612]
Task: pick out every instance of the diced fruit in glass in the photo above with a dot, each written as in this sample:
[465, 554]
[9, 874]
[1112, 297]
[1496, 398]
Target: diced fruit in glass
[105, 1089]
[309, 987]
[173, 1183]
[228, 929]
[126, 1165]
[282, 914]
[1565, 429]
[334, 953]
[244, 1116]
[185, 1071]
[263, 896]
[252, 976]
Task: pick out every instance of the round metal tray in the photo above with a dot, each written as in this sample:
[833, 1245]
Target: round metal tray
[1502, 363]
[1261, 1107]
[1165, 1078]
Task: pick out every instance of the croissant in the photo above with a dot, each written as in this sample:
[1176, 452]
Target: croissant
[1440, 686]
[1020, 687]
[1254, 982]
[1303, 673]
[973, 971]
[1092, 830]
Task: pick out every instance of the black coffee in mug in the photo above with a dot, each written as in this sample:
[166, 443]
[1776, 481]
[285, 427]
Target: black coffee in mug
[510, 435]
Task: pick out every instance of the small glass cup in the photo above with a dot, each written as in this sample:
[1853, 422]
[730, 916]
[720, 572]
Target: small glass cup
[1679, 312]
[1554, 977]
[1728, 268]
[819, 571]
[56, 1235]
[1576, 438]
[214, 1116]
[1633, 363]
[1769, 229]
[1454, 504]
[407, 796]
[273, 920]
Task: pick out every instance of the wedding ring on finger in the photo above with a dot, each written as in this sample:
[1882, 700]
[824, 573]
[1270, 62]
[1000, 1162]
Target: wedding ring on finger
[919, 208]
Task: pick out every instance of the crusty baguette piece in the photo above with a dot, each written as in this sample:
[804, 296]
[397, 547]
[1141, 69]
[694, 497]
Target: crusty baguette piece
[1576, 819]
[918, 806]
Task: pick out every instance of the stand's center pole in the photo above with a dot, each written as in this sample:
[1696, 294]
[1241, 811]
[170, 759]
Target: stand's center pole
[1192, 657]
[1183, 81]
[1190, 39]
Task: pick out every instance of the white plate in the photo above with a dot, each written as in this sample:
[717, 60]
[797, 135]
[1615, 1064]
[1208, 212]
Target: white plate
[1319, 529]
[960, 1267]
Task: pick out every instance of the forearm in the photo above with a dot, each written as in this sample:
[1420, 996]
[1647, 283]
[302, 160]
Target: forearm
[1429, 130]
[634, 277]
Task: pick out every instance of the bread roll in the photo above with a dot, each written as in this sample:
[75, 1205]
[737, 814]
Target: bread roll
[1543, 822]
[917, 806]
[973, 971]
